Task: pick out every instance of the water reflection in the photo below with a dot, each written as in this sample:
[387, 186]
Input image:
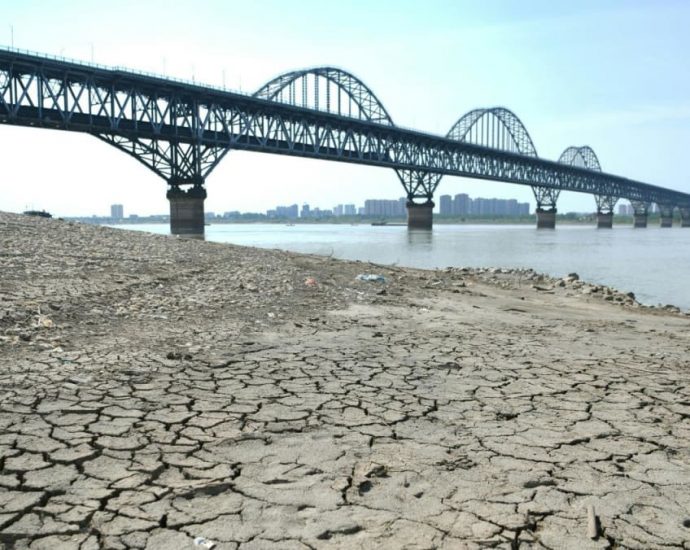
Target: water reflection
[421, 238]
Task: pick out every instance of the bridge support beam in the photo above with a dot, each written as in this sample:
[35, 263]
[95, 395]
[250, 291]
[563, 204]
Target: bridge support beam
[420, 216]
[684, 216]
[187, 210]
[546, 219]
[666, 215]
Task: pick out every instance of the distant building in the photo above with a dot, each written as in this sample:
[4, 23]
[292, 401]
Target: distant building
[462, 205]
[290, 212]
[305, 213]
[117, 211]
[338, 210]
[350, 210]
[625, 210]
[384, 208]
[445, 205]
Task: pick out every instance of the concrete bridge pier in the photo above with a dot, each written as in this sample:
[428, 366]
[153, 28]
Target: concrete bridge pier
[605, 207]
[420, 216]
[640, 213]
[546, 206]
[546, 219]
[666, 215]
[604, 220]
[684, 216]
[187, 210]
[639, 220]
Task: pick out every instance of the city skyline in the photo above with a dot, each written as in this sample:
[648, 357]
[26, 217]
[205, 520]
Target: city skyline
[460, 204]
[628, 100]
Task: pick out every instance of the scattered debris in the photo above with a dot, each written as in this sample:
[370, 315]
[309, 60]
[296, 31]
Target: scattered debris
[371, 278]
[204, 543]
[592, 522]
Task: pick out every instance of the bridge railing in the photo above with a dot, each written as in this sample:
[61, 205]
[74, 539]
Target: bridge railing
[139, 72]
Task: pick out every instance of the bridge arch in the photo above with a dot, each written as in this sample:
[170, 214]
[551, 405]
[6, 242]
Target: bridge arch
[583, 156]
[495, 127]
[327, 89]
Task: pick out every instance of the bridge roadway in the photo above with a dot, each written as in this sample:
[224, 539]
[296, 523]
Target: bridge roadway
[181, 130]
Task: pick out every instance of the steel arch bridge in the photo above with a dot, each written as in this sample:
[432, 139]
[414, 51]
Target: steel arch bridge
[182, 130]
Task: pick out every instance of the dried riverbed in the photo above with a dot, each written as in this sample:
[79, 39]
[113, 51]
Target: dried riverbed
[154, 390]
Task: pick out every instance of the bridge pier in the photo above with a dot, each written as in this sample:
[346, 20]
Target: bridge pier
[640, 214]
[604, 220]
[605, 207]
[639, 220]
[420, 216]
[684, 216]
[666, 215]
[546, 219]
[546, 206]
[187, 210]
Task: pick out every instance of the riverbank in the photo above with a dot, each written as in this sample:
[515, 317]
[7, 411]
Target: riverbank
[155, 389]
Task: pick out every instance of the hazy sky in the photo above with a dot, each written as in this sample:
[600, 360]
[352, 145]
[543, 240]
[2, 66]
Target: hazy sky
[610, 74]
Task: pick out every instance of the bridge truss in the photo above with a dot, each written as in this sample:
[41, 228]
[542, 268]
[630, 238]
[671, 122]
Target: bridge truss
[182, 130]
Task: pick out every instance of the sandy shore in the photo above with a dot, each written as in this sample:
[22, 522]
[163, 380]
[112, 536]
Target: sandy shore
[154, 390]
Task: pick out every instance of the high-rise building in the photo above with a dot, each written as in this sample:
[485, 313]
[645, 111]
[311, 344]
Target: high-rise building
[338, 210]
[462, 205]
[350, 210]
[385, 208]
[289, 212]
[445, 205]
[305, 213]
[117, 211]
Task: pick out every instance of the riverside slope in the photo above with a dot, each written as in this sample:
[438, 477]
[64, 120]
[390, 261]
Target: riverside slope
[154, 390]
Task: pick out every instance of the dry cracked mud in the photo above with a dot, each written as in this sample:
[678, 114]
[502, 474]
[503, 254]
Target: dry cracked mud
[154, 390]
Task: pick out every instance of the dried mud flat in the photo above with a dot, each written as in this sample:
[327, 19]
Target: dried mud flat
[155, 390]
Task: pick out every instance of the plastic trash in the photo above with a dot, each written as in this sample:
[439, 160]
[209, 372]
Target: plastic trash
[310, 281]
[371, 278]
[204, 543]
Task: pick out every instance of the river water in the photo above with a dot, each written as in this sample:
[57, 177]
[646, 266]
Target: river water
[653, 263]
